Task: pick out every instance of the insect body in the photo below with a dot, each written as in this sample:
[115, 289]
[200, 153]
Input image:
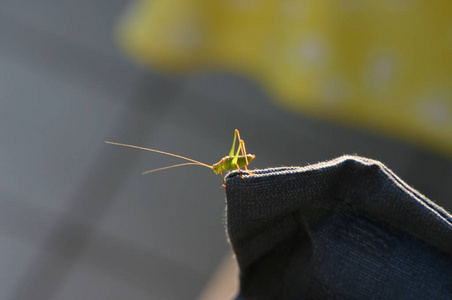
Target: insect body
[227, 163]
[236, 159]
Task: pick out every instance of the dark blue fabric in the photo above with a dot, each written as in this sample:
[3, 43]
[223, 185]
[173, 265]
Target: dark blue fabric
[344, 229]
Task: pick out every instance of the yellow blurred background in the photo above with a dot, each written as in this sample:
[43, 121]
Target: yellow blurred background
[385, 66]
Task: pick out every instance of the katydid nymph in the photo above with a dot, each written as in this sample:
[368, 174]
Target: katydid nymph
[236, 159]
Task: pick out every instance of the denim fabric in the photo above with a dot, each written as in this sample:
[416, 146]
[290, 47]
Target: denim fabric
[344, 229]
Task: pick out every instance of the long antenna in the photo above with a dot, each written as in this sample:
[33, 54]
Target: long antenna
[195, 162]
[173, 166]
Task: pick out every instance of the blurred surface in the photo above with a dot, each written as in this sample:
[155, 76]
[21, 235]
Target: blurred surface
[77, 219]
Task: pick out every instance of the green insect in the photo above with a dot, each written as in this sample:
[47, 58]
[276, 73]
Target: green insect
[236, 159]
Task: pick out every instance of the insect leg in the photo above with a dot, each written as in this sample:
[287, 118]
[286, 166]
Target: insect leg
[222, 177]
[241, 174]
[242, 146]
[240, 149]
[236, 156]
[231, 153]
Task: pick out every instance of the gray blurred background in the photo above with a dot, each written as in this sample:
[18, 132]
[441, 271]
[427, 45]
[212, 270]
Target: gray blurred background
[77, 219]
